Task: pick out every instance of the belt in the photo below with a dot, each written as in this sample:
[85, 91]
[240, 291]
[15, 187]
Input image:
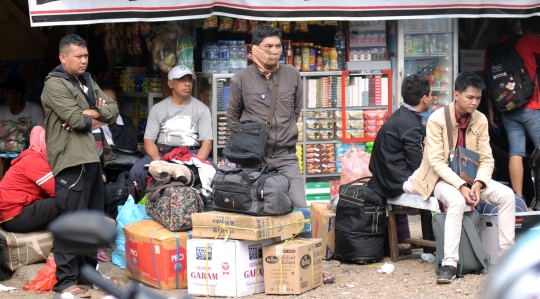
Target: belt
[164, 149]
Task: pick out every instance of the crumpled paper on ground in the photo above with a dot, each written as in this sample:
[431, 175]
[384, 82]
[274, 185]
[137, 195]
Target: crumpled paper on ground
[3, 288]
[386, 268]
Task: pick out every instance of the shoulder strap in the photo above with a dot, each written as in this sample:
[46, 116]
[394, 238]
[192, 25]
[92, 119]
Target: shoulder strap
[448, 120]
[78, 87]
[475, 241]
[273, 102]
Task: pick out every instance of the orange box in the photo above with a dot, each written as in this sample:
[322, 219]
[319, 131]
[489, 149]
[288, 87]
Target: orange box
[155, 255]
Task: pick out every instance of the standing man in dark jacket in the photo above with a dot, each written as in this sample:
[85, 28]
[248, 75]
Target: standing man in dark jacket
[249, 100]
[398, 148]
[74, 105]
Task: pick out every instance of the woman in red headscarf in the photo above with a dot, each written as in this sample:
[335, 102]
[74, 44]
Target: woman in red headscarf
[27, 201]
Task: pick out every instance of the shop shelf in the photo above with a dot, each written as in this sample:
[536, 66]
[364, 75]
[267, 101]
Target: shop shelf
[407, 55]
[322, 175]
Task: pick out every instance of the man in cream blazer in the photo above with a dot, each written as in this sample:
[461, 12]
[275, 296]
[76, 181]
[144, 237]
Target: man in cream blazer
[470, 130]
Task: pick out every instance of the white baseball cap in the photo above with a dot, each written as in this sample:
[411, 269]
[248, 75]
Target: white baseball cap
[180, 71]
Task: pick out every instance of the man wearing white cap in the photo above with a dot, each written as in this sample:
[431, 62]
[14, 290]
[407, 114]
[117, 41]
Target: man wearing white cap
[179, 120]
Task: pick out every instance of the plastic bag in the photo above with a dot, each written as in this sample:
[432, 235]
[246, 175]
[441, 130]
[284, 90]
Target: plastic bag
[128, 213]
[45, 279]
[355, 165]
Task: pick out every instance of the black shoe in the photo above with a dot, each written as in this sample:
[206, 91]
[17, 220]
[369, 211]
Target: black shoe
[446, 274]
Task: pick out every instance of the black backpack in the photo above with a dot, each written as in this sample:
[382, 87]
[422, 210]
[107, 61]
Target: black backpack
[117, 193]
[509, 85]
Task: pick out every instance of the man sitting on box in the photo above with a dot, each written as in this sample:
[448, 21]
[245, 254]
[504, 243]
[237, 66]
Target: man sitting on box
[179, 120]
[470, 130]
[398, 148]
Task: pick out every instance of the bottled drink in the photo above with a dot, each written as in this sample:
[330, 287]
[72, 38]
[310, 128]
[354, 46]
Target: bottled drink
[233, 54]
[435, 103]
[437, 75]
[305, 57]
[312, 55]
[339, 40]
[341, 59]
[242, 54]
[289, 53]
[223, 57]
[249, 55]
[333, 59]
[326, 58]
[205, 61]
[297, 58]
[214, 59]
[319, 63]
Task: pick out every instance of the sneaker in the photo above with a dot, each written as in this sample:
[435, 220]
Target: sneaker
[446, 274]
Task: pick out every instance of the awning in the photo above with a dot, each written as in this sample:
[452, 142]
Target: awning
[77, 12]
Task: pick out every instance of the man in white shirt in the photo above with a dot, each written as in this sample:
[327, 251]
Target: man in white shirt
[15, 108]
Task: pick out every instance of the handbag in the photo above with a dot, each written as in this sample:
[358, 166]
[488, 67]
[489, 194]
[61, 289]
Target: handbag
[259, 192]
[172, 203]
[247, 143]
[463, 162]
[123, 159]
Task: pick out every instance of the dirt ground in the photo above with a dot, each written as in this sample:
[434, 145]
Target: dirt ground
[412, 278]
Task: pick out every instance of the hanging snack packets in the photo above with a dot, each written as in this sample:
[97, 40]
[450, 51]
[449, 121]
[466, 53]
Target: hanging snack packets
[240, 26]
[210, 23]
[129, 40]
[225, 24]
[136, 40]
[301, 26]
[284, 26]
[330, 23]
[148, 35]
[273, 24]
[252, 25]
[315, 23]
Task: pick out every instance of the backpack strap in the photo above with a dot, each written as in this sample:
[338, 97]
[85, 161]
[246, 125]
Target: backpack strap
[476, 246]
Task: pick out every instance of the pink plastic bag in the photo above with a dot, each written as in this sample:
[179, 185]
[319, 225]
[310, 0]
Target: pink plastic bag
[355, 165]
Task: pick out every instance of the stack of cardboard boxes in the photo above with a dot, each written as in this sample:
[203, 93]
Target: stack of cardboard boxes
[239, 255]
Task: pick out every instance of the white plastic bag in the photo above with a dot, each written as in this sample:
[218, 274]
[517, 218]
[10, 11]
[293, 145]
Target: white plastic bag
[355, 165]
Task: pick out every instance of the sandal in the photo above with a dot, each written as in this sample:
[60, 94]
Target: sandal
[102, 256]
[327, 278]
[75, 291]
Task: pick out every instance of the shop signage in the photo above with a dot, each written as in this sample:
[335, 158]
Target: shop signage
[472, 60]
[73, 12]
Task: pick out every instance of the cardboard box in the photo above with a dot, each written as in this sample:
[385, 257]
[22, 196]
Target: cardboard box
[234, 268]
[245, 227]
[293, 267]
[323, 223]
[155, 255]
[489, 228]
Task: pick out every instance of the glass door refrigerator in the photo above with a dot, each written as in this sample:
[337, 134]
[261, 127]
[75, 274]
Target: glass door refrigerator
[429, 47]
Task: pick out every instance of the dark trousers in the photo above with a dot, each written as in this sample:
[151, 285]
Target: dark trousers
[77, 188]
[33, 218]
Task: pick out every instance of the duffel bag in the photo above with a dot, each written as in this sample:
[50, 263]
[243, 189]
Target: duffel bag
[260, 192]
[360, 223]
[172, 204]
[19, 250]
[117, 193]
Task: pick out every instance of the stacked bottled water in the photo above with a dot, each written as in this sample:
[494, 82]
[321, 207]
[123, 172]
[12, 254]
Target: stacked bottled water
[242, 54]
[214, 59]
[233, 55]
[223, 57]
[205, 56]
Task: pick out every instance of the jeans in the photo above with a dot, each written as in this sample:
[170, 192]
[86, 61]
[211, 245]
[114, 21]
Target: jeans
[516, 124]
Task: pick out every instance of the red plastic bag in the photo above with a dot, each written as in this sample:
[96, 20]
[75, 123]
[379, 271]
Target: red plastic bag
[355, 165]
[45, 279]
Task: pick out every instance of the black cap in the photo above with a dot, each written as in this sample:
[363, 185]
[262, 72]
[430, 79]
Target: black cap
[13, 83]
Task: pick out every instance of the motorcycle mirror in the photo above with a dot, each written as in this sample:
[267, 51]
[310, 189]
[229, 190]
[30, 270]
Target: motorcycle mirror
[83, 232]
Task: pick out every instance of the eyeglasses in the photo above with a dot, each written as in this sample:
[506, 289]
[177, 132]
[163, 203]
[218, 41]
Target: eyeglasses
[184, 80]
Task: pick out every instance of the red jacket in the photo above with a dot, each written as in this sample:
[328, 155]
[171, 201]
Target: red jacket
[528, 46]
[29, 179]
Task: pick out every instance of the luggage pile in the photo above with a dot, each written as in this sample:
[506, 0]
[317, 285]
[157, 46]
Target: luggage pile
[237, 249]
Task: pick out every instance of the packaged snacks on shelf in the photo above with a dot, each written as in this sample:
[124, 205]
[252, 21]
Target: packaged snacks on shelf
[356, 123]
[375, 114]
[326, 134]
[225, 24]
[313, 135]
[312, 124]
[370, 129]
[374, 122]
[355, 114]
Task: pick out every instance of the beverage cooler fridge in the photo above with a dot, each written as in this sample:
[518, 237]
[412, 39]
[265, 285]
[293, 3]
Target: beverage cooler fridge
[429, 47]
